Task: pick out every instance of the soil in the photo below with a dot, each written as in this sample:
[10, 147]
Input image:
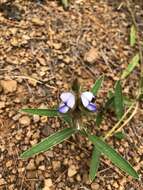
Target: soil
[42, 48]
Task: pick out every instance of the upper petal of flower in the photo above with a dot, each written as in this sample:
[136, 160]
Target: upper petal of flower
[86, 98]
[88, 95]
[68, 98]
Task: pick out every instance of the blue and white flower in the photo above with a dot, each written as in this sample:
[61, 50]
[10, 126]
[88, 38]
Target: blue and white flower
[87, 98]
[68, 102]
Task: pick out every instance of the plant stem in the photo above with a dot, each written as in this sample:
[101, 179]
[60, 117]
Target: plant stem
[111, 132]
[129, 118]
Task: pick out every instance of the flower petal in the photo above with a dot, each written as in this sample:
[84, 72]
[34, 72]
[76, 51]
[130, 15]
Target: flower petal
[88, 95]
[63, 108]
[84, 100]
[68, 98]
[71, 101]
[91, 107]
[65, 96]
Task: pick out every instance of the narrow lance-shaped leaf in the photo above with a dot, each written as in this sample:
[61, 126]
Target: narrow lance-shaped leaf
[115, 157]
[94, 164]
[133, 36]
[134, 62]
[97, 85]
[49, 142]
[42, 112]
[48, 112]
[118, 100]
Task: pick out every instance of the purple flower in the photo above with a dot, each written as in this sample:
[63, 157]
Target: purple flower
[68, 102]
[87, 98]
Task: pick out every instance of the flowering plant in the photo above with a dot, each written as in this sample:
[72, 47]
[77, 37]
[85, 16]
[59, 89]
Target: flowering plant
[76, 105]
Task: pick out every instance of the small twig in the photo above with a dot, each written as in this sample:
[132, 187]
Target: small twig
[129, 118]
[119, 122]
[22, 180]
[104, 170]
[61, 175]
[110, 166]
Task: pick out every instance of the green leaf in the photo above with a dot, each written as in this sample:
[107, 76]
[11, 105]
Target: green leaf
[49, 112]
[97, 85]
[94, 164]
[48, 142]
[133, 63]
[133, 36]
[115, 157]
[118, 100]
[120, 135]
[42, 112]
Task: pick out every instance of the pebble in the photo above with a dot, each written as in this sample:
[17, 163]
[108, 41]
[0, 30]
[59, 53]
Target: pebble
[42, 167]
[16, 117]
[2, 181]
[46, 131]
[2, 104]
[31, 174]
[39, 159]
[72, 171]
[12, 178]
[33, 142]
[65, 162]
[24, 120]
[95, 186]
[15, 42]
[38, 21]
[44, 119]
[36, 118]
[48, 184]
[31, 165]
[92, 55]
[115, 184]
[78, 177]
[42, 61]
[9, 85]
[11, 187]
[49, 154]
[9, 163]
[56, 165]
[57, 46]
